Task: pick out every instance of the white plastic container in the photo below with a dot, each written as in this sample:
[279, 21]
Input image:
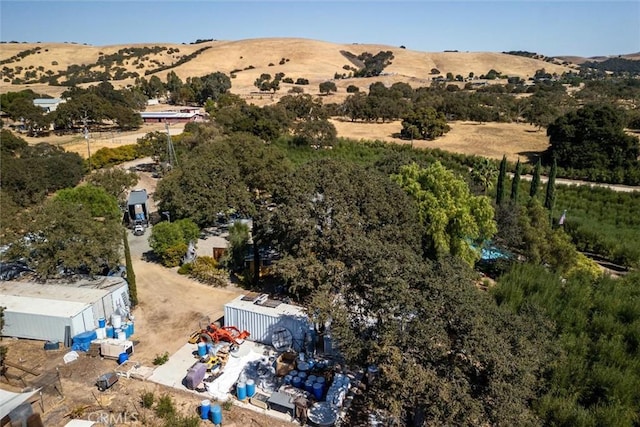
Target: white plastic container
[116, 321]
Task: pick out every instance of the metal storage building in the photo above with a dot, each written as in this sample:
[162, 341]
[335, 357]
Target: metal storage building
[104, 296]
[45, 319]
[262, 317]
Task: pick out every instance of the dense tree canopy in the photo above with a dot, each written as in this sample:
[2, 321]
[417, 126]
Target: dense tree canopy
[446, 355]
[114, 181]
[424, 123]
[29, 173]
[337, 223]
[453, 218]
[593, 137]
[78, 231]
[207, 184]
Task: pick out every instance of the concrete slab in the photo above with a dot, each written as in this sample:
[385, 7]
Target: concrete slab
[173, 372]
[175, 369]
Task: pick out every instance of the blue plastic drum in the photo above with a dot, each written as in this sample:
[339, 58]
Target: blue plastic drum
[216, 414]
[296, 382]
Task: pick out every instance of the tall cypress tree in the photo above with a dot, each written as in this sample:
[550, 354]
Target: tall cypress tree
[535, 181]
[550, 198]
[515, 184]
[501, 177]
[131, 276]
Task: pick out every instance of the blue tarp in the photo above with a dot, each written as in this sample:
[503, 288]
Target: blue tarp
[82, 342]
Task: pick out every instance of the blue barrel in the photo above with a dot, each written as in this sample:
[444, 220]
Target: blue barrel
[241, 390]
[202, 349]
[251, 388]
[216, 414]
[296, 382]
[130, 325]
[110, 333]
[303, 366]
[318, 390]
[205, 407]
[308, 386]
[287, 379]
[312, 378]
[293, 373]
[102, 322]
[123, 357]
[321, 380]
[303, 376]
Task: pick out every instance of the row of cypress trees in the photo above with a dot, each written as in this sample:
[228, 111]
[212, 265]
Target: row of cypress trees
[550, 196]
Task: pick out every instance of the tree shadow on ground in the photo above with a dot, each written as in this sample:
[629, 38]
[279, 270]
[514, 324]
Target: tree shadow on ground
[150, 256]
[531, 156]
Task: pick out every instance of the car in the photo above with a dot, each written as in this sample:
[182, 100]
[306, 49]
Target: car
[138, 230]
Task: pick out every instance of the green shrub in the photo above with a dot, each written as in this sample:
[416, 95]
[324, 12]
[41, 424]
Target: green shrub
[161, 359]
[173, 255]
[147, 399]
[165, 407]
[205, 269]
[185, 269]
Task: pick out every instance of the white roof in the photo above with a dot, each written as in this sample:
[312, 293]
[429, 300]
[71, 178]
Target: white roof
[167, 114]
[9, 401]
[281, 309]
[81, 291]
[42, 306]
[47, 100]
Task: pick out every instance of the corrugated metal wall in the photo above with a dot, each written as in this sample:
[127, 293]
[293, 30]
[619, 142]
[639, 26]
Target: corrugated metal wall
[262, 325]
[41, 327]
[120, 299]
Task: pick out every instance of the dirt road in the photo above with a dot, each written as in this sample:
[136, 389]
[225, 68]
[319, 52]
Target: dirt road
[171, 305]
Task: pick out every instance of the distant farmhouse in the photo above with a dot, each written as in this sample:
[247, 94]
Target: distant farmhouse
[183, 115]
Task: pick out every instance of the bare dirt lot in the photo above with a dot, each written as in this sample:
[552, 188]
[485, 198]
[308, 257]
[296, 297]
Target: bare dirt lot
[69, 391]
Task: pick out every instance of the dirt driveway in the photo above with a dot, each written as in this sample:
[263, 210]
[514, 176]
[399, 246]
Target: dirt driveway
[171, 305]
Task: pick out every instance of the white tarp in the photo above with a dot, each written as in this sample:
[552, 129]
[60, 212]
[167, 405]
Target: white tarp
[9, 400]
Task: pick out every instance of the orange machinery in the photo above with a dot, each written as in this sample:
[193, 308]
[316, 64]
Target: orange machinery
[214, 333]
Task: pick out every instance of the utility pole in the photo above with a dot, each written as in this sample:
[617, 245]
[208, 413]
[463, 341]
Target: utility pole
[171, 152]
[86, 137]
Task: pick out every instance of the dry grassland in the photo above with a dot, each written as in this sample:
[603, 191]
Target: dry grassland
[491, 140]
[314, 60]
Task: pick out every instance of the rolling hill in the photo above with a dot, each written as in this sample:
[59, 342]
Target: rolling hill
[32, 64]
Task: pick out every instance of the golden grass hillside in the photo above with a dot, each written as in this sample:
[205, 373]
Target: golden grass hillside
[314, 60]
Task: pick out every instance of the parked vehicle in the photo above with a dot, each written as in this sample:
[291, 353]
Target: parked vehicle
[138, 230]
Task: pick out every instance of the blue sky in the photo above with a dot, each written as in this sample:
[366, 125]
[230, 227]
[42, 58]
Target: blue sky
[584, 28]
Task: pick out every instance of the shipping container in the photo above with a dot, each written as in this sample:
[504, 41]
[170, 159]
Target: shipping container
[262, 321]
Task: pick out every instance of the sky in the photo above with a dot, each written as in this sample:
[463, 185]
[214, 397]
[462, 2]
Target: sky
[552, 28]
